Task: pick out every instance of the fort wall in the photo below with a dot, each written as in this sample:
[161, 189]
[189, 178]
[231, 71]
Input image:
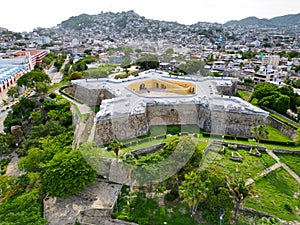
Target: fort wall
[220, 122]
[91, 97]
[212, 114]
[121, 128]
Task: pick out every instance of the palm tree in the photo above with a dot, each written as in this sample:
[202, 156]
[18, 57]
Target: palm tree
[239, 192]
[259, 132]
[115, 145]
[193, 191]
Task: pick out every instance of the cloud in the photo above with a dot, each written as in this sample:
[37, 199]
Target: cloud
[26, 15]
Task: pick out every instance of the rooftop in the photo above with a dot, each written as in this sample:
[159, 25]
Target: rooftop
[128, 101]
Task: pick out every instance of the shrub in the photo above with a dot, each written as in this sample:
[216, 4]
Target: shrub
[52, 95]
[282, 143]
[172, 195]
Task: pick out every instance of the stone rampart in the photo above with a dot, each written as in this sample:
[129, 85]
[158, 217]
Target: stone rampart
[121, 128]
[91, 97]
[215, 121]
[232, 123]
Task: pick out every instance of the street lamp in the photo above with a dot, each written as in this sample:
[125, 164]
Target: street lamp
[222, 214]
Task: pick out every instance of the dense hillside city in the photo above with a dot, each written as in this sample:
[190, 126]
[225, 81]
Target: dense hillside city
[118, 119]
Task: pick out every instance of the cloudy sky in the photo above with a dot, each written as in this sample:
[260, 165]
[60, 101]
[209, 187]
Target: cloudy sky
[24, 15]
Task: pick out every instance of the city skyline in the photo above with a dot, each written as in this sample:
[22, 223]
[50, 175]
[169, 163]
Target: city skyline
[26, 15]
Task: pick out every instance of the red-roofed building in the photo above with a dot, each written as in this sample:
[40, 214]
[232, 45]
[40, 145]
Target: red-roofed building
[21, 57]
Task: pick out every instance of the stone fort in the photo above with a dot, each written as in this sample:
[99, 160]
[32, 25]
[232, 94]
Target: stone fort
[129, 107]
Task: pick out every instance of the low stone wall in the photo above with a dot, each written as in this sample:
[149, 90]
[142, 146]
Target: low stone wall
[94, 216]
[148, 150]
[259, 213]
[288, 119]
[226, 144]
[283, 128]
[286, 151]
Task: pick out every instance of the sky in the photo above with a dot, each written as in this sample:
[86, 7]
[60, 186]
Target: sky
[20, 15]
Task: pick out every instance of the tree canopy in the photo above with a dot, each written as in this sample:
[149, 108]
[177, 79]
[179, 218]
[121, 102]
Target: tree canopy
[67, 175]
[279, 99]
[148, 61]
[36, 80]
[192, 67]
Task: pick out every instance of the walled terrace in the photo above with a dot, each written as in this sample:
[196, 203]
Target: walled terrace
[128, 107]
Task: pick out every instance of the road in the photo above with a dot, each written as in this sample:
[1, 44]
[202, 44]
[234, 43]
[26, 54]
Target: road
[56, 76]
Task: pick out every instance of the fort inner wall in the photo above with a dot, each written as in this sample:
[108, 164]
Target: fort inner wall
[172, 114]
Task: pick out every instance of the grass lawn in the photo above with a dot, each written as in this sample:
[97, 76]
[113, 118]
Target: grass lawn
[292, 161]
[245, 95]
[275, 193]
[276, 135]
[250, 166]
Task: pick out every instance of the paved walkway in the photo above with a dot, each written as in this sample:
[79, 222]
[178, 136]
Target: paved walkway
[288, 169]
[277, 165]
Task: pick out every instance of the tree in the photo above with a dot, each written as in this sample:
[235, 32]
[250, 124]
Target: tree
[23, 209]
[13, 91]
[75, 75]
[256, 68]
[297, 84]
[126, 63]
[7, 142]
[218, 194]
[36, 80]
[248, 81]
[169, 51]
[148, 61]
[239, 192]
[67, 175]
[193, 191]
[282, 104]
[115, 145]
[263, 89]
[259, 132]
[192, 67]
